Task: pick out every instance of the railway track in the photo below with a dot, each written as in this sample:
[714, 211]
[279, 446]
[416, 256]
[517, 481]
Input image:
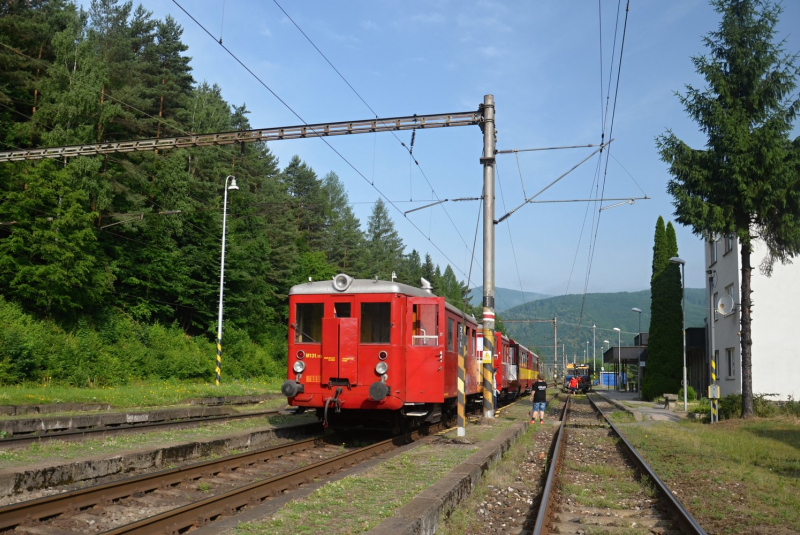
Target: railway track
[596, 481]
[178, 500]
[117, 429]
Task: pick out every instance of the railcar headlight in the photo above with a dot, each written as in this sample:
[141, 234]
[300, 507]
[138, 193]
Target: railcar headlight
[381, 367]
[299, 366]
[301, 354]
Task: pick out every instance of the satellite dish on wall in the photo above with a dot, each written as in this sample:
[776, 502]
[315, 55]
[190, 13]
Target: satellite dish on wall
[725, 305]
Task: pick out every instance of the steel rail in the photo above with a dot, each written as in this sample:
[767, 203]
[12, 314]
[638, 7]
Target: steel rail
[545, 515]
[412, 122]
[684, 518]
[184, 518]
[49, 506]
[81, 434]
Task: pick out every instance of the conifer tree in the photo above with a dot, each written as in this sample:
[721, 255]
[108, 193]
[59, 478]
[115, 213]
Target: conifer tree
[384, 247]
[665, 343]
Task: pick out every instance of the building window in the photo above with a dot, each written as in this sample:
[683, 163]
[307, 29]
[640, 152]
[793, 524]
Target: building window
[713, 245]
[717, 371]
[716, 301]
[728, 243]
[730, 362]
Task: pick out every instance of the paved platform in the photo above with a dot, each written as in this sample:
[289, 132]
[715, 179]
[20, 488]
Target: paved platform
[641, 410]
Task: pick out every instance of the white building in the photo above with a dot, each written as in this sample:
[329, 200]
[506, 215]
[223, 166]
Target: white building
[774, 314]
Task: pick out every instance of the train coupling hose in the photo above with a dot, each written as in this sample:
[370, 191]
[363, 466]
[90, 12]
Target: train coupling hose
[335, 399]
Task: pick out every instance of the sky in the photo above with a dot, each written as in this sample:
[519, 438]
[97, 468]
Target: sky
[554, 70]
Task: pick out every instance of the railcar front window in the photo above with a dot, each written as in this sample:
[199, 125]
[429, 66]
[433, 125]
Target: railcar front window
[376, 323]
[308, 323]
[425, 328]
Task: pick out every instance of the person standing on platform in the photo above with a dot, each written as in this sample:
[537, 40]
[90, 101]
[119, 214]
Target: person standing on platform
[539, 398]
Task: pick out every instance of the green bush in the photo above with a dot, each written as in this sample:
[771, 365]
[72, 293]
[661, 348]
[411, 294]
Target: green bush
[730, 406]
[114, 350]
[690, 394]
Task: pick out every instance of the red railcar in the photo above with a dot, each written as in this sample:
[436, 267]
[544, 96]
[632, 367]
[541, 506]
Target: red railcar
[516, 367]
[377, 353]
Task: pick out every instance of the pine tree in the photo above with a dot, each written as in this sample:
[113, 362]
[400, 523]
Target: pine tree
[745, 181]
[384, 247]
[342, 238]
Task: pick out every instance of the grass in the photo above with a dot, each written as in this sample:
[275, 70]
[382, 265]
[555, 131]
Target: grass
[140, 394]
[340, 506]
[751, 468]
[58, 450]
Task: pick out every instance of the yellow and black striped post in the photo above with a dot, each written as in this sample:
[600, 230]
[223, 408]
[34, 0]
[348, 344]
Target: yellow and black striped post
[488, 353]
[462, 351]
[714, 414]
[219, 359]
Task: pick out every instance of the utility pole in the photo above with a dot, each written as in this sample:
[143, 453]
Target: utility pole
[488, 161]
[555, 347]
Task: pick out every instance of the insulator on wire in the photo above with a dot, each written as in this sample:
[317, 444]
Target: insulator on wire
[413, 135]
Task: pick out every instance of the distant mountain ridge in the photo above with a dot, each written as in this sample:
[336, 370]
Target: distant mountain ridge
[505, 298]
[603, 310]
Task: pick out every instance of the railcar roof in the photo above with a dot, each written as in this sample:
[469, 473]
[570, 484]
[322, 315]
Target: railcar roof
[365, 286]
[358, 286]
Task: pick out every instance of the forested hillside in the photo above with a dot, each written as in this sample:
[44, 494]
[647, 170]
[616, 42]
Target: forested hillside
[505, 298]
[576, 314]
[87, 242]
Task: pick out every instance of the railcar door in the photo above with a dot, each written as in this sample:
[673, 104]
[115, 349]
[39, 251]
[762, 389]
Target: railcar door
[340, 344]
[425, 350]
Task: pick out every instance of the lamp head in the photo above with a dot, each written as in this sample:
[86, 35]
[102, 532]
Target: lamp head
[606, 342]
[617, 329]
[233, 185]
[677, 260]
[639, 310]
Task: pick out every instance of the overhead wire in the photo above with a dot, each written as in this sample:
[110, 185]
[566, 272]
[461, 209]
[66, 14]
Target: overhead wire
[350, 164]
[409, 149]
[593, 245]
[510, 238]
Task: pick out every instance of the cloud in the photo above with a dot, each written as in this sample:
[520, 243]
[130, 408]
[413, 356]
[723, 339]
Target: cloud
[369, 25]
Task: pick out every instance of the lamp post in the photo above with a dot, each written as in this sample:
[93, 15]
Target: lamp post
[232, 187]
[619, 356]
[608, 346]
[639, 311]
[594, 349]
[638, 359]
[682, 262]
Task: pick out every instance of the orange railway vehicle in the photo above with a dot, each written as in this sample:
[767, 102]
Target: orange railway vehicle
[377, 353]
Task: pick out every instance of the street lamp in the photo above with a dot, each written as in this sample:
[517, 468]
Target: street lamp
[619, 356]
[682, 262]
[594, 350]
[232, 187]
[639, 311]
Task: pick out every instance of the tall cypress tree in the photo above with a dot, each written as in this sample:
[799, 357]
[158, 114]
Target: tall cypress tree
[665, 344]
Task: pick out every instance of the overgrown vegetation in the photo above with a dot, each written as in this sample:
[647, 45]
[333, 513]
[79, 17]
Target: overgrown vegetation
[112, 259]
[750, 467]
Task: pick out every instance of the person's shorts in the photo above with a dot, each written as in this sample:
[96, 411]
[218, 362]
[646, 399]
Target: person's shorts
[538, 406]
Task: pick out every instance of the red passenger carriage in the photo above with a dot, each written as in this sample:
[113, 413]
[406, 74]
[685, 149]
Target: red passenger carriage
[516, 367]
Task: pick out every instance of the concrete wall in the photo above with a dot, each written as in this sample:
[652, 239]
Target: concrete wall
[776, 307]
